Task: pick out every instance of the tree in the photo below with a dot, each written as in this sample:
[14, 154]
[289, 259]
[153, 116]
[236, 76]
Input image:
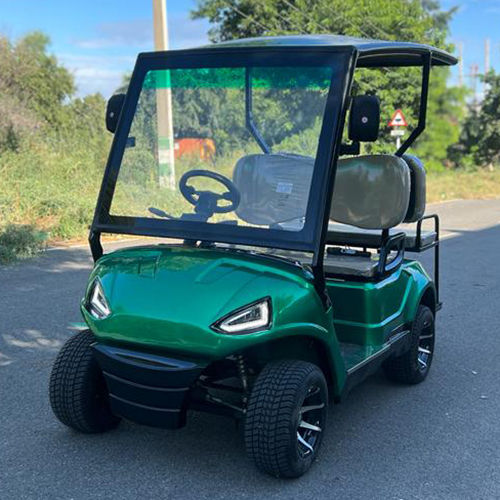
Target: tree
[479, 142]
[34, 87]
[408, 20]
[35, 77]
[388, 19]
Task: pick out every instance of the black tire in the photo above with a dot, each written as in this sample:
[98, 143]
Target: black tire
[281, 391]
[413, 366]
[77, 389]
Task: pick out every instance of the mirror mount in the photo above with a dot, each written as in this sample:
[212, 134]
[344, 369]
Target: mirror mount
[352, 149]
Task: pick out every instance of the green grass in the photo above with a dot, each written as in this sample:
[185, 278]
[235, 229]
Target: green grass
[461, 184]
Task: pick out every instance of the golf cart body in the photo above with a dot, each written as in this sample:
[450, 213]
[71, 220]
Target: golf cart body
[300, 258]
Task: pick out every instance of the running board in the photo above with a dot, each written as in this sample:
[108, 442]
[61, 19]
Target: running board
[367, 365]
[383, 350]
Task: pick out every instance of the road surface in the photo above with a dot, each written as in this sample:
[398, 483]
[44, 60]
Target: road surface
[440, 439]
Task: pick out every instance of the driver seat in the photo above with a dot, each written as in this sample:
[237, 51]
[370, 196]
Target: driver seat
[274, 189]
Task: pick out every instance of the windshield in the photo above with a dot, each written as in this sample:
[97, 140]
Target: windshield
[224, 146]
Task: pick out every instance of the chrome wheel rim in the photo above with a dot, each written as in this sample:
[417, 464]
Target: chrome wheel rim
[309, 422]
[425, 346]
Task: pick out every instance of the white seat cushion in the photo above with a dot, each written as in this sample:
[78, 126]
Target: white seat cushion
[342, 234]
[352, 265]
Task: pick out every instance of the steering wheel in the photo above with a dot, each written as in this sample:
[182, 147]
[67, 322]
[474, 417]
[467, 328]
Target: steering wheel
[206, 202]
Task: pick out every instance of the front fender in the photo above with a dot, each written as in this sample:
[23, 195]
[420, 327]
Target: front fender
[324, 340]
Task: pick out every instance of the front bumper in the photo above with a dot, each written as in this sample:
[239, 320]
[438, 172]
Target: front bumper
[147, 388]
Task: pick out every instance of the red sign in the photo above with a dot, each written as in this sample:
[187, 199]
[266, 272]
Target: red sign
[398, 119]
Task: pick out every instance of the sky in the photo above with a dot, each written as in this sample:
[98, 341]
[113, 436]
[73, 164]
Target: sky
[98, 40]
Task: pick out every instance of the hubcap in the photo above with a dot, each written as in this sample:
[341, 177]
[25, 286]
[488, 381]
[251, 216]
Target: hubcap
[309, 425]
[425, 346]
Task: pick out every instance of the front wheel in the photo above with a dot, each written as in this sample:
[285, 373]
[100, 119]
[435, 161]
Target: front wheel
[413, 366]
[77, 389]
[286, 417]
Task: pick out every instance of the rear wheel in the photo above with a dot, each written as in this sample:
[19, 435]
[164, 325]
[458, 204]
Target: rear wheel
[286, 417]
[77, 389]
[413, 366]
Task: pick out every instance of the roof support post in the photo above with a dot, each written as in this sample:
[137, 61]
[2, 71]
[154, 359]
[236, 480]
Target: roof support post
[426, 69]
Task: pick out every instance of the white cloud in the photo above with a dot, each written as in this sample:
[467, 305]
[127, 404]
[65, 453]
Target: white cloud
[95, 68]
[93, 74]
[183, 32]
[186, 32]
[135, 33]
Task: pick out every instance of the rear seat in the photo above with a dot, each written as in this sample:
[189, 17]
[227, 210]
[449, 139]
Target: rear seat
[371, 194]
[344, 234]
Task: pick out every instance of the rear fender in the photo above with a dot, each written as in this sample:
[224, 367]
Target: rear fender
[423, 292]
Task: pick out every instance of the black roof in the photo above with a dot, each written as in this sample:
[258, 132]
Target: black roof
[370, 52]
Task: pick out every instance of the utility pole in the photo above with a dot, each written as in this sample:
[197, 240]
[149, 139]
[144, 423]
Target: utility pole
[166, 164]
[460, 64]
[486, 61]
[486, 56]
[474, 69]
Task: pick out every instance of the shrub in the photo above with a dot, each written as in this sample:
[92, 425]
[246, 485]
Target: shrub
[20, 241]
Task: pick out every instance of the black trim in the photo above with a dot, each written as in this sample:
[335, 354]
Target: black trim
[397, 242]
[435, 245]
[422, 114]
[216, 326]
[304, 240]
[147, 388]
[95, 245]
[371, 52]
[324, 203]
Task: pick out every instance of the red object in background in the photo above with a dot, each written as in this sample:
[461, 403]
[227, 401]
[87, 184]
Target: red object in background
[201, 148]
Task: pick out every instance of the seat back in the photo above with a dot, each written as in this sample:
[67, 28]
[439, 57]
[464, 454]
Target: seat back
[416, 207]
[273, 187]
[371, 192]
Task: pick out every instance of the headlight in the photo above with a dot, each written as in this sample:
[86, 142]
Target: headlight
[252, 318]
[97, 303]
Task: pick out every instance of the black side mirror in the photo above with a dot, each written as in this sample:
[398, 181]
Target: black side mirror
[113, 110]
[364, 118]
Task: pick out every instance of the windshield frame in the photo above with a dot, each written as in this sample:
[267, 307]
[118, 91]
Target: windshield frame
[309, 238]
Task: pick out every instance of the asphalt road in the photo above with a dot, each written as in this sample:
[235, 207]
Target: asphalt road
[440, 439]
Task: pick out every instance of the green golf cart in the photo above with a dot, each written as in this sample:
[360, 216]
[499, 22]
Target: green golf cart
[276, 276]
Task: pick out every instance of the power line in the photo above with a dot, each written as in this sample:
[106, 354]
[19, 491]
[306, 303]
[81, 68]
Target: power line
[306, 16]
[290, 24]
[384, 33]
[252, 19]
[348, 21]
